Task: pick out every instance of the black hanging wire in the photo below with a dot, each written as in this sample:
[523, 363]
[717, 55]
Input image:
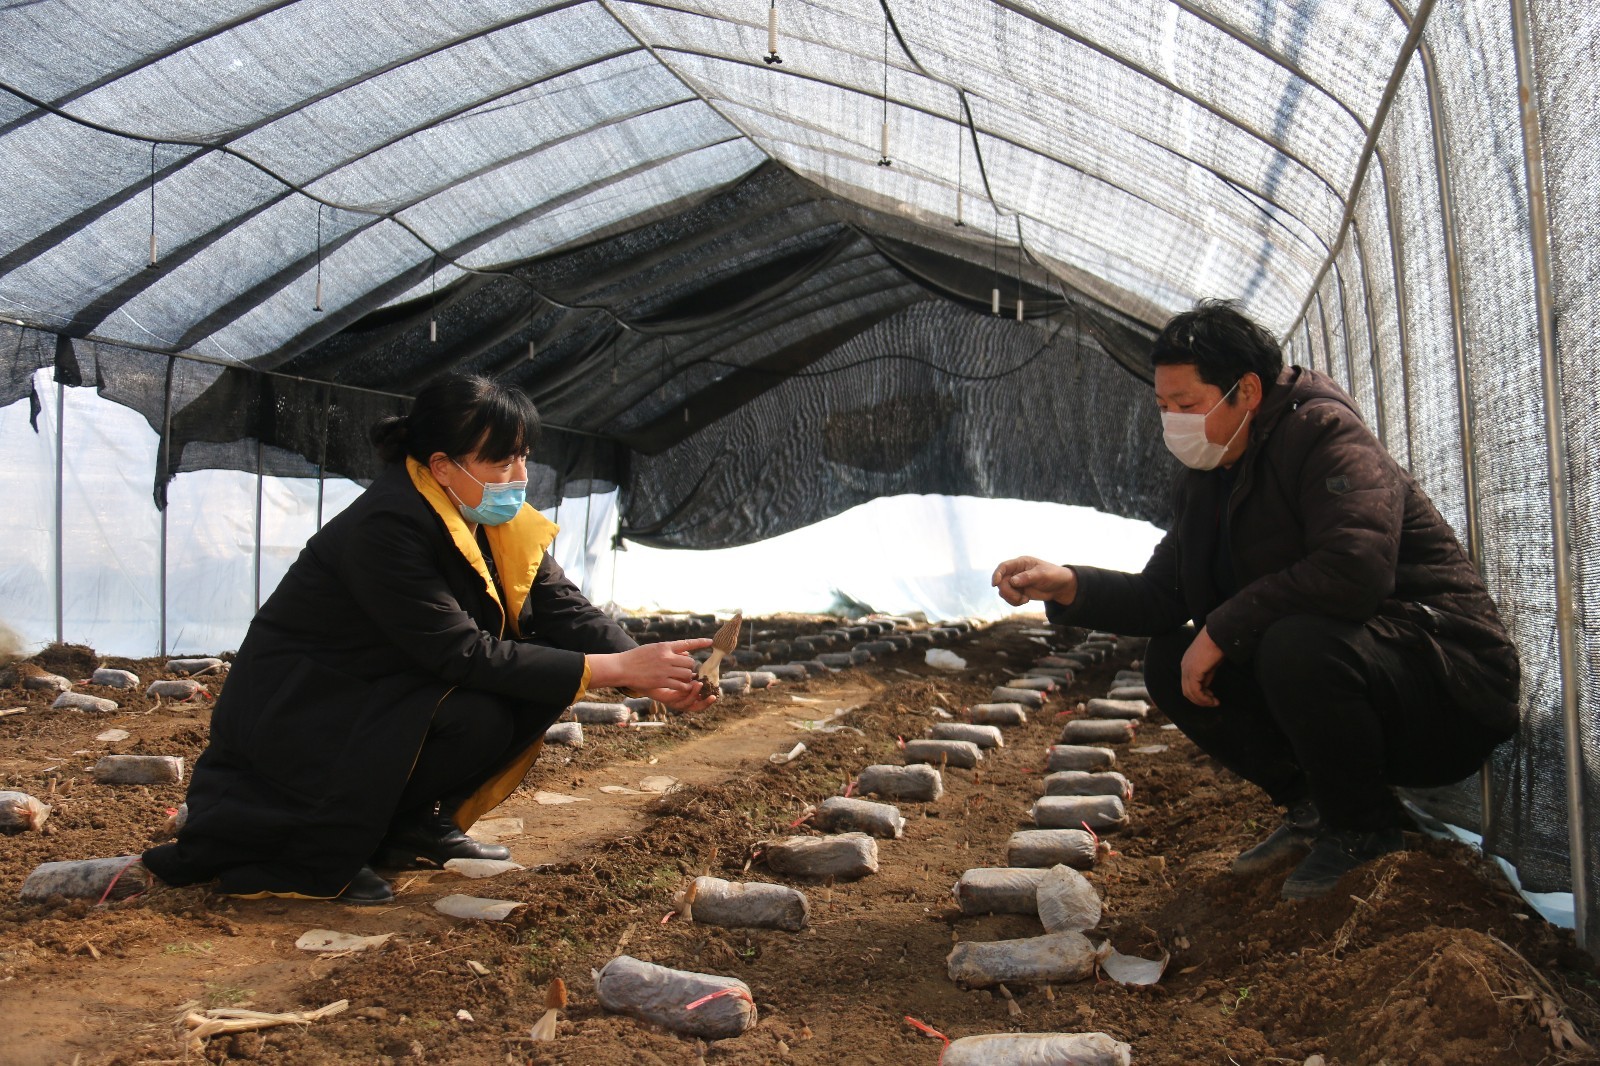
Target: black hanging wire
[152, 262]
[317, 305]
[883, 156]
[772, 35]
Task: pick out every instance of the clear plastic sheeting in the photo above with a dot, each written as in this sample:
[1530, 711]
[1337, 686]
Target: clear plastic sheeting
[226, 537]
[229, 535]
[110, 536]
[933, 554]
[28, 521]
[924, 253]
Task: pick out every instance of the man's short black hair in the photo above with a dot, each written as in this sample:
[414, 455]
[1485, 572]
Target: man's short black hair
[1222, 343]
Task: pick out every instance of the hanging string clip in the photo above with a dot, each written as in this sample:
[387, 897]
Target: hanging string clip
[772, 58]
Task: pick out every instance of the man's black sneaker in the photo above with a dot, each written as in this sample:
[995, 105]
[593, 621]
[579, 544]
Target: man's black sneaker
[1333, 856]
[428, 840]
[1291, 839]
[366, 889]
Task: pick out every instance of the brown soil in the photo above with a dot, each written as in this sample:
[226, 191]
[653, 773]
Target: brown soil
[1422, 957]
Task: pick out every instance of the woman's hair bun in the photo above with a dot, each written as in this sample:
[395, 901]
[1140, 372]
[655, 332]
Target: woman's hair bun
[461, 415]
[389, 437]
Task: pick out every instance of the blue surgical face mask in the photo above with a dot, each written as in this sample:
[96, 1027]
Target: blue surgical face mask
[502, 501]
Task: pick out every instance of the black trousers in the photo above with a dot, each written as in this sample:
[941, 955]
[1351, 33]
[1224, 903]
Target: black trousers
[1325, 711]
[472, 735]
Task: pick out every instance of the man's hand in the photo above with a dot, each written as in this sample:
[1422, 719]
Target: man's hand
[1200, 664]
[1026, 578]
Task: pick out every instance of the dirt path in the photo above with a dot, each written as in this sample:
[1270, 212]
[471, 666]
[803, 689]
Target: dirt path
[558, 831]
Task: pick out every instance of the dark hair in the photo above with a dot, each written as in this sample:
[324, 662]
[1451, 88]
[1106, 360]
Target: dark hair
[1222, 344]
[459, 414]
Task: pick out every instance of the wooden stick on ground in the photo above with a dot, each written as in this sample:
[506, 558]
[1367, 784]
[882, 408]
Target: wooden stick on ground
[220, 1021]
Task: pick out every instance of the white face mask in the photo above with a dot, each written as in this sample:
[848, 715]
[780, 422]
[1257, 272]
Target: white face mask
[1185, 436]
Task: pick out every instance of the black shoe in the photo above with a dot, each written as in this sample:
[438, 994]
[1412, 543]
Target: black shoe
[1294, 837]
[1336, 854]
[426, 840]
[366, 889]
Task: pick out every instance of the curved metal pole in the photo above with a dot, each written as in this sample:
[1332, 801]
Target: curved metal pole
[1402, 306]
[1344, 324]
[1452, 257]
[1327, 338]
[1365, 292]
[1396, 77]
[1556, 457]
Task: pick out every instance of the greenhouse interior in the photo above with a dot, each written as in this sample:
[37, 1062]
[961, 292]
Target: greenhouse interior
[826, 306]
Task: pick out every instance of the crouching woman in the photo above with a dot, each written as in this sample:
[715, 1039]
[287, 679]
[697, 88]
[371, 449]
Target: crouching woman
[398, 682]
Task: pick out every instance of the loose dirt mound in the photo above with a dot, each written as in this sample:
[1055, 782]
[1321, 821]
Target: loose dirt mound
[1423, 957]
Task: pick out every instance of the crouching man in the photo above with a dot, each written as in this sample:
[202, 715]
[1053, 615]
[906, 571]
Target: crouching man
[1315, 625]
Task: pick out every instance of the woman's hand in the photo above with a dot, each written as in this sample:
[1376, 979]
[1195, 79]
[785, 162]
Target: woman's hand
[666, 666]
[683, 702]
[1026, 578]
[1200, 664]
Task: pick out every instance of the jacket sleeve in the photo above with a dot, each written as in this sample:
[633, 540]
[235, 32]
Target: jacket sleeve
[558, 612]
[1351, 506]
[391, 569]
[1135, 605]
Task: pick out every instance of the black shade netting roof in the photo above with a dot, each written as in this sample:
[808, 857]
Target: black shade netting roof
[754, 363]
